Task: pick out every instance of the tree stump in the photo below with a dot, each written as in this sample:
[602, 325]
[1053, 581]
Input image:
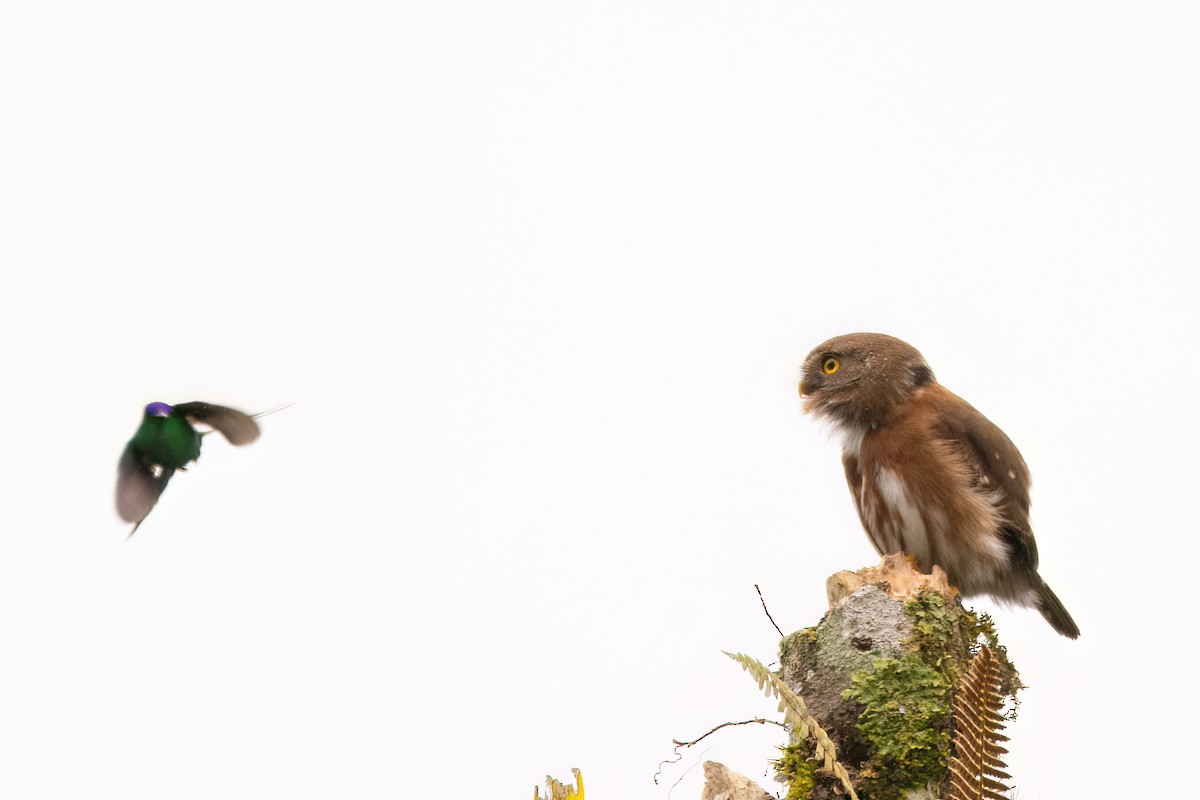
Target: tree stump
[879, 673]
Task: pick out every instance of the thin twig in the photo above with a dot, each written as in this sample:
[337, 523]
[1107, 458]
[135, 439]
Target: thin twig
[685, 773]
[678, 744]
[759, 720]
[661, 764]
[764, 604]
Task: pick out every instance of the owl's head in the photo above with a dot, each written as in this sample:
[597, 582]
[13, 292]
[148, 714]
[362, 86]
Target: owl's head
[856, 380]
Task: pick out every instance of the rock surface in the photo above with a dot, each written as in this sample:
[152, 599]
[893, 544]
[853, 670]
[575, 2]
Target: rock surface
[722, 783]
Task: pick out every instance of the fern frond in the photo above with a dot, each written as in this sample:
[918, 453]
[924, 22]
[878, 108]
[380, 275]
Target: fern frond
[796, 716]
[557, 791]
[977, 771]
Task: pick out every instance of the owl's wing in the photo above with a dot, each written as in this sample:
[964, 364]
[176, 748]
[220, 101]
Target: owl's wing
[138, 487]
[999, 468]
[235, 426]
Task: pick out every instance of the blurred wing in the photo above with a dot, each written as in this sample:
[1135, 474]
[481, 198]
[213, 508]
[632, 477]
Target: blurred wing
[235, 426]
[137, 487]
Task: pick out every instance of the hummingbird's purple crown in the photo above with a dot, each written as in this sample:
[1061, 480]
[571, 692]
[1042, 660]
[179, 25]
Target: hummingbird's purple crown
[158, 410]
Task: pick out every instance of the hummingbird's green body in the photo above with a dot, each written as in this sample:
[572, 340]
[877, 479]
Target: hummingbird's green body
[170, 442]
[166, 441]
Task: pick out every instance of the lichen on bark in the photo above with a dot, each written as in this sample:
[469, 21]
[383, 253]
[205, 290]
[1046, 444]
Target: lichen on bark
[880, 671]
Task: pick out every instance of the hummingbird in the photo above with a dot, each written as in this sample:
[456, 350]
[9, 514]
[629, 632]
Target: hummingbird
[167, 441]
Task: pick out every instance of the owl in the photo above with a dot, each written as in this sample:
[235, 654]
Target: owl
[930, 475]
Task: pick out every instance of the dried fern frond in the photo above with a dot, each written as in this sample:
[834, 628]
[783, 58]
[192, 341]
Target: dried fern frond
[557, 791]
[796, 716]
[977, 771]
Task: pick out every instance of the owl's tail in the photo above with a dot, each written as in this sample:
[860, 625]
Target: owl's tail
[1055, 612]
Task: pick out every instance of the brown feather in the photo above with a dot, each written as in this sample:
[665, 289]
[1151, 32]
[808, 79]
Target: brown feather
[930, 475]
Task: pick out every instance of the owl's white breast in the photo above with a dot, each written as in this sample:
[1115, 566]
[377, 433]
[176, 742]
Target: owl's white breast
[905, 517]
[851, 438]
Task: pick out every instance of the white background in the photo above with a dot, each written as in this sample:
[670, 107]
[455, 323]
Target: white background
[538, 278]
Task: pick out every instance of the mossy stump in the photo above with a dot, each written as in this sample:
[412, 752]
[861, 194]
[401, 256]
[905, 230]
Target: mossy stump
[879, 673]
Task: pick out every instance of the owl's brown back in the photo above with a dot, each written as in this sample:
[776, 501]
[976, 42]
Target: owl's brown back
[930, 475]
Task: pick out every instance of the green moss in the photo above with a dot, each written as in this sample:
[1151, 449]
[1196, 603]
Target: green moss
[947, 640]
[901, 742]
[798, 645]
[797, 770]
[933, 636]
[905, 717]
[976, 627]
[932, 625]
[905, 720]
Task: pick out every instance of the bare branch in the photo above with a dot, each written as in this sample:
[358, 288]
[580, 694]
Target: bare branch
[764, 605]
[758, 720]
[678, 744]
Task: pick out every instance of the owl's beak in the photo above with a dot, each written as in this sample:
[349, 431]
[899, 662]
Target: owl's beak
[805, 388]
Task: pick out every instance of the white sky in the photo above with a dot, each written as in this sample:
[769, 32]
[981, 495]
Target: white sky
[538, 278]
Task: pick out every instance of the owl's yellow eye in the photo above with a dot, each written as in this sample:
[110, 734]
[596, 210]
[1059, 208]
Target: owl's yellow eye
[830, 366]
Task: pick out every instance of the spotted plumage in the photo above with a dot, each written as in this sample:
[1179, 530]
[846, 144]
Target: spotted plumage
[930, 475]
